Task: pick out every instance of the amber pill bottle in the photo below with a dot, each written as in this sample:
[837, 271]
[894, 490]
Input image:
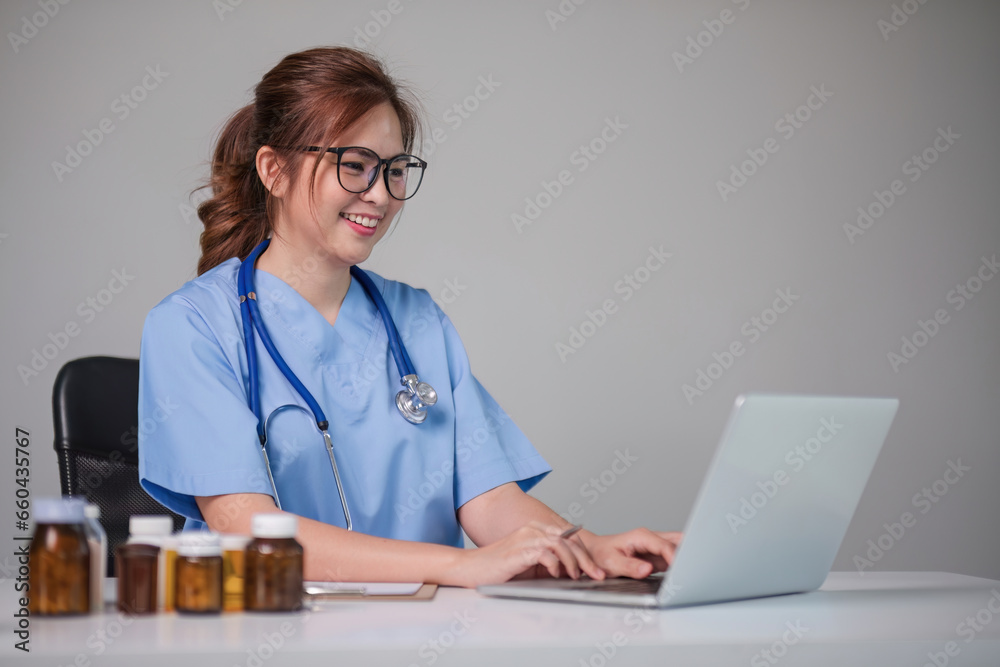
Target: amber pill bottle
[139, 564]
[138, 582]
[59, 559]
[198, 574]
[273, 565]
[234, 550]
[155, 530]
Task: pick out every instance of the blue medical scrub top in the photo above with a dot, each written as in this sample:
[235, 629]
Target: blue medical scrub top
[198, 437]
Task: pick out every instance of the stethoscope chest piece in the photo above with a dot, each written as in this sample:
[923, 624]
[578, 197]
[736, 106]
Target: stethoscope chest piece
[415, 399]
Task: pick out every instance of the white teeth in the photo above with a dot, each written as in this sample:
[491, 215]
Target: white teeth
[361, 220]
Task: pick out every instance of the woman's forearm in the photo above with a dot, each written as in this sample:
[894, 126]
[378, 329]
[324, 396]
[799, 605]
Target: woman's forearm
[335, 554]
[497, 513]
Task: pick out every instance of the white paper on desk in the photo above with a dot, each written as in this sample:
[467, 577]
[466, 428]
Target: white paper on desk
[364, 588]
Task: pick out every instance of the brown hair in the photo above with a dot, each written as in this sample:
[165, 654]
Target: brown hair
[308, 98]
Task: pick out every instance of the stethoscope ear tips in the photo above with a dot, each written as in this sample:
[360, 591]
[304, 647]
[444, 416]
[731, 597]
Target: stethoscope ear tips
[413, 401]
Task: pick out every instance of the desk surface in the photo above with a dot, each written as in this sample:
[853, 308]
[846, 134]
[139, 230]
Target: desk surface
[888, 618]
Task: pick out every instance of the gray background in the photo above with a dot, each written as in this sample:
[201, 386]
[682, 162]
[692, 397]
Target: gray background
[521, 291]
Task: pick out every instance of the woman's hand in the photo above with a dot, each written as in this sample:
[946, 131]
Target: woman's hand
[637, 553]
[533, 550]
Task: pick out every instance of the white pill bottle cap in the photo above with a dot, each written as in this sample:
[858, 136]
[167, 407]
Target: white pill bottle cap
[274, 525]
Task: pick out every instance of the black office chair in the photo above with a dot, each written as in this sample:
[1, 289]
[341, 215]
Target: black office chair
[95, 407]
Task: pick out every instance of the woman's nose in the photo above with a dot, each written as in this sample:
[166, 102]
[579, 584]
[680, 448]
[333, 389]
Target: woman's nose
[377, 193]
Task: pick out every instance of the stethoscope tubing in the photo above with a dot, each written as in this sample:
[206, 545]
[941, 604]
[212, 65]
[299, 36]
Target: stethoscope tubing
[252, 320]
[399, 355]
[258, 323]
[251, 355]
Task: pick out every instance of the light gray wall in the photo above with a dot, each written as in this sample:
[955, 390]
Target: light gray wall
[556, 84]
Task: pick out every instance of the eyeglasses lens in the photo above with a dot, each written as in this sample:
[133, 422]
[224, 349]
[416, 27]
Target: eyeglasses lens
[359, 167]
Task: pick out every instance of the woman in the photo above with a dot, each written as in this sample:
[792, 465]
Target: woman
[301, 167]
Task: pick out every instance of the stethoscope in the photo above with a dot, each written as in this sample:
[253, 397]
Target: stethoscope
[412, 401]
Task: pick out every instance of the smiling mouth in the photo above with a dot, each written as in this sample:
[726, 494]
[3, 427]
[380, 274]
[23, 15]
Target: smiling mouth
[362, 220]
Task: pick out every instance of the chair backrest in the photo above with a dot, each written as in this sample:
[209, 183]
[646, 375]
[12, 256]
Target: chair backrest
[95, 407]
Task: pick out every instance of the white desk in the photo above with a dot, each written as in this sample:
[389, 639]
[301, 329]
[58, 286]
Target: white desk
[891, 618]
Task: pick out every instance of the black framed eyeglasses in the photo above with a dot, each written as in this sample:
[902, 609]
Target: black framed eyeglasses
[358, 169]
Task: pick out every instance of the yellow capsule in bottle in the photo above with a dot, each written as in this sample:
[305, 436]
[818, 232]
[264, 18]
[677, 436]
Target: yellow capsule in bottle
[233, 571]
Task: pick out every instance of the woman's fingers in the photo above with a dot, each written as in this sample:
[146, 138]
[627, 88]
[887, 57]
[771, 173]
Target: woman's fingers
[577, 550]
[547, 547]
[550, 562]
[637, 553]
[658, 562]
[538, 549]
[561, 550]
[659, 545]
[628, 565]
[674, 538]
[583, 557]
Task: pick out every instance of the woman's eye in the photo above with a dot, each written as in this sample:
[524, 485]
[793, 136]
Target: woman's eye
[355, 167]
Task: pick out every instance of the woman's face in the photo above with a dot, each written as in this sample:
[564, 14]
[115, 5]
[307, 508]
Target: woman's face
[341, 225]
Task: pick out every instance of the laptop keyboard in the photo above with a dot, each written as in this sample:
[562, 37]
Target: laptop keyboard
[639, 586]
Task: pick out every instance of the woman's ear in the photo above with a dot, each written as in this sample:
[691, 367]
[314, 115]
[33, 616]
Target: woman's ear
[270, 171]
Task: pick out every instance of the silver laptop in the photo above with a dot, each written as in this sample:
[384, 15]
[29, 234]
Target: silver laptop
[771, 513]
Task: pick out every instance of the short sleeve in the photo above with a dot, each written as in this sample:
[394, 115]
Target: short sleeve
[490, 449]
[196, 432]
